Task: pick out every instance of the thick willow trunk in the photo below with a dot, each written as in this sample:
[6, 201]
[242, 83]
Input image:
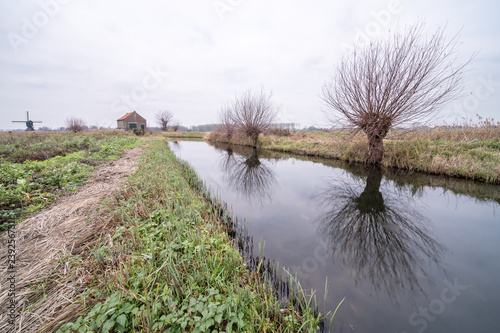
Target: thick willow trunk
[376, 131]
[371, 200]
[253, 161]
[255, 139]
[375, 149]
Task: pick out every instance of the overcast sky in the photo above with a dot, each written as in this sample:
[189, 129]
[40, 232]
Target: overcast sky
[97, 60]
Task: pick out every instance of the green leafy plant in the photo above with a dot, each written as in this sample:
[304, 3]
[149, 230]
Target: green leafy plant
[28, 186]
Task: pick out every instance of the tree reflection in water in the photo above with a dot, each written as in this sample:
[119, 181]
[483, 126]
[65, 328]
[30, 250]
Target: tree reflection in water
[176, 145]
[247, 175]
[379, 238]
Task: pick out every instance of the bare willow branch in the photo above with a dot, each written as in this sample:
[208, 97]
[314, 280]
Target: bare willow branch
[378, 235]
[226, 125]
[163, 118]
[250, 177]
[399, 81]
[74, 124]
[253, 113]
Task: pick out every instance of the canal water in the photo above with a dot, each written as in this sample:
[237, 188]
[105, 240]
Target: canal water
[408, 252]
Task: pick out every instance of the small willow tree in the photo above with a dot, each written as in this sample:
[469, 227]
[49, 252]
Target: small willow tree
[75, 125]
[163, 118]
[402, 80]
[226, 125]
[252, 113]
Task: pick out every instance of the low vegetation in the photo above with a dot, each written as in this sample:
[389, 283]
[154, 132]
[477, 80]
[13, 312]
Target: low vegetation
[35, 168]
[170, 265]
[470, 150]
[185, 135]
[18, 147]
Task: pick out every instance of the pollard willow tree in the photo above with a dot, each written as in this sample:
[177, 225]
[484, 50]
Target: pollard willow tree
[252, 113]
[163, 118]
[395, 82]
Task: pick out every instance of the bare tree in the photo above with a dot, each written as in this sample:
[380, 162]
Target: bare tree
[175, 126]
[253, 113]
[226, 125]
[163, 118]
[74, 124]
[401, 80]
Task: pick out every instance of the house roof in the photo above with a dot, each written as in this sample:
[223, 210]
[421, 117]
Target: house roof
[126, 115]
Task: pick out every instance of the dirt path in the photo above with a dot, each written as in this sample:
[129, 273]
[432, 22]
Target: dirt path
[44, 239]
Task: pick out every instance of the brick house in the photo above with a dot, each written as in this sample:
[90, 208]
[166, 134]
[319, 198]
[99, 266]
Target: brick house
[130, 121]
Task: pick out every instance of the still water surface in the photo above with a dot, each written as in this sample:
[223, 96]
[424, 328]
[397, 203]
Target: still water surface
[409, 252]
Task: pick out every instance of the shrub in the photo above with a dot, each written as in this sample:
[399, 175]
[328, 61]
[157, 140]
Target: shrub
[138, 132]
[278, 132]
[75, 125]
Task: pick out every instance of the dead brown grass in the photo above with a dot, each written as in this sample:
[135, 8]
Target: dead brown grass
[45, 283]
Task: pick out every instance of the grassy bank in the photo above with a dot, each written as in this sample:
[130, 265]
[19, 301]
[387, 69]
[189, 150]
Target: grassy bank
[184, 135]
[169, 264]
[36, 167]
[467, 152]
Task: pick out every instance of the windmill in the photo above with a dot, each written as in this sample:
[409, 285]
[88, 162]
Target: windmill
[29, 123]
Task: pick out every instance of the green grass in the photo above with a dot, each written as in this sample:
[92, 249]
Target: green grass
[171, 266]
[38, 146]
[29, 182]
[185, 135]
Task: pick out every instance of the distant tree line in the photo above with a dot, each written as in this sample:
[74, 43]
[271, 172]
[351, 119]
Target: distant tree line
[203, 128]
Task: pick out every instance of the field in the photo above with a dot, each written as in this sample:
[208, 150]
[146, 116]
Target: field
[466, 151]
[152, 253]
[37, 167]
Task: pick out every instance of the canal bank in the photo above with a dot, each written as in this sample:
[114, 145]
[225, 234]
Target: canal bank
[463, 152]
